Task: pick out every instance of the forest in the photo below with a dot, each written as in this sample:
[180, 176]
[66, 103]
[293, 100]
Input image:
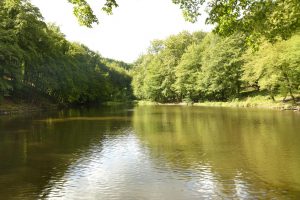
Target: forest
[196, 67]
[38, 64]
[244, 56]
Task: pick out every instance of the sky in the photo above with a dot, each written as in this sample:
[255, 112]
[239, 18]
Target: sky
[127, 33]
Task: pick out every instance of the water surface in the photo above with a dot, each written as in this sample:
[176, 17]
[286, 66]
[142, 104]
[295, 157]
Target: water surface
[151, 152]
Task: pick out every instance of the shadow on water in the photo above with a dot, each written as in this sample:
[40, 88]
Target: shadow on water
[35, 150]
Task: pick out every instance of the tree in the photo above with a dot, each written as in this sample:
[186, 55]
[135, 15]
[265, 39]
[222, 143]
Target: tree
[187, 73]
[191, 67]
[275, 68]
[139, 72]
[10, 62]
[256, 19]
[119, 78]
[21, 34]
[159, 67]
[37, 62]
[221, 62]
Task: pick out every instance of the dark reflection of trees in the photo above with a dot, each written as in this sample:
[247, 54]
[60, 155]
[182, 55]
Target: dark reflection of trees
[259, 147]
[34, 150]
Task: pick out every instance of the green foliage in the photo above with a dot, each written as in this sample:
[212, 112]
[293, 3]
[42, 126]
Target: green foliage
[219, 78]
[36, 60]
[154, 75]
[11, 54]
[256, 19]
[190, 8]
[139, 73]
[272, 19]
[84, 13]
[120, 79]
[214, 68]
[275, 68]
[187, 72]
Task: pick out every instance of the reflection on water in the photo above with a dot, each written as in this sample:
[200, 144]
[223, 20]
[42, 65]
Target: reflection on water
[151, 152]
[251, 153]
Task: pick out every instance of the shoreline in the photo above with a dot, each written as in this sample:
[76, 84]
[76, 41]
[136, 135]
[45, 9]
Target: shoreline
[234, 104]
[21, 108]
[12, 108]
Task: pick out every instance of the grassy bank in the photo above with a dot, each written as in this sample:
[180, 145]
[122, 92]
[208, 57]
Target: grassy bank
[249, 102]
[118, 103]
[8, 106]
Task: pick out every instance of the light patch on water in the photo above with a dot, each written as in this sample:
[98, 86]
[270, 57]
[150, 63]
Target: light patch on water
[120, 168]
[54, 120]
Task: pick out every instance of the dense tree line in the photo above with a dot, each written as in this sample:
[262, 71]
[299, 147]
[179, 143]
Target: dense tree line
[36, 61]
[207, 67]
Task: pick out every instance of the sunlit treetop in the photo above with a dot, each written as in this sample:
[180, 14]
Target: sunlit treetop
[272, 19]
[84, 13]
[190, 8]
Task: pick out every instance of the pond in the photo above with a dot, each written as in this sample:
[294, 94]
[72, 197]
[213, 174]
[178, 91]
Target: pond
[151, 152]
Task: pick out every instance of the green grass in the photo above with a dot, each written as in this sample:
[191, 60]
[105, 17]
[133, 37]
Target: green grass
[260, 101]
[116, 103]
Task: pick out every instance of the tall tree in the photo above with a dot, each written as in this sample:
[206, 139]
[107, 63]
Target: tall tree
[187, 73]
[36, 61]
[275, 67]
[220, 76]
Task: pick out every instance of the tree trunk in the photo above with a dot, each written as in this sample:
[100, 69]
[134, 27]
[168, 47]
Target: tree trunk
[272, 97]
[271, 94]
[289, 85]
[291, 94]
